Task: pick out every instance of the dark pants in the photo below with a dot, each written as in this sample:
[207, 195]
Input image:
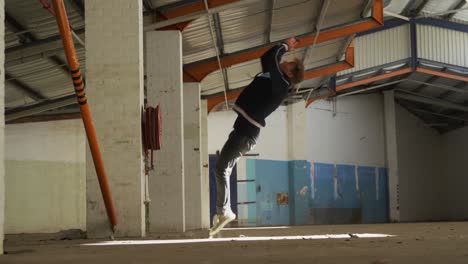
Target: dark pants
[236, 146]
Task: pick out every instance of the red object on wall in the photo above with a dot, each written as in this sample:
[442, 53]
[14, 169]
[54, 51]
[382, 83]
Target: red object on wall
[152, 131]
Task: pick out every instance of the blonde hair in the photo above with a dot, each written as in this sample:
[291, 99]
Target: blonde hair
[297, 72]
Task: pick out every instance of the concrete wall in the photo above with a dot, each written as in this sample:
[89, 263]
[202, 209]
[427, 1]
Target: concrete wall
[455, 173]
[114, 72]
[45, 177]
[355, 135]
[163, 66]
[272, 142]
[420, 169]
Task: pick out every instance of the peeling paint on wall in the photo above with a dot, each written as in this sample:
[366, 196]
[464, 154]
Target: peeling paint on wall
[339, 193]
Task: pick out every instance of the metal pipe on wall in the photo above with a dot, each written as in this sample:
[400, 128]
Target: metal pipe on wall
[64, 28]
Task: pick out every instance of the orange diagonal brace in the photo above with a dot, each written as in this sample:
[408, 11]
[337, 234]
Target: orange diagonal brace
[64, 27]
[199, 70]
[442, 74]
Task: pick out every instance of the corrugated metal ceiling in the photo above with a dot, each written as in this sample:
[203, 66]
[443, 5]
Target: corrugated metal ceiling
[242, 28]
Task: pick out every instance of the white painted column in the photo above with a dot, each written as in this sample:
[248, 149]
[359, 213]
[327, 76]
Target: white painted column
[391, 155]
[164, 86]
[114, 67]
[205, 165]
[2, 123]
[192, 157]
[296, 131]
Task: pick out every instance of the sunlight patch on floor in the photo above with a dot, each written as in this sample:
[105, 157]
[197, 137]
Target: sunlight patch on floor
[235, 239]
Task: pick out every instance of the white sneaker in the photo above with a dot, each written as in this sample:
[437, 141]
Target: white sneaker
[220, 221]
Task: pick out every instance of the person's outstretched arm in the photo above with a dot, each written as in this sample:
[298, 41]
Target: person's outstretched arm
[271, 63]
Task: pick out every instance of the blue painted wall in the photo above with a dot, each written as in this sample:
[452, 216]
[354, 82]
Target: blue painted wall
[348, 196]
[368, 193]
[333, 194]
[271, 178]
[299, 189]
[322, 196]
[247, 196]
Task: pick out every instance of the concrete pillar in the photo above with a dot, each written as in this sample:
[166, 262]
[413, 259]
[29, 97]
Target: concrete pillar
[164, 86]
[205, 165]
[192, 157]
[114, 67]
[296, 131]
[2, 123]
[391, 155]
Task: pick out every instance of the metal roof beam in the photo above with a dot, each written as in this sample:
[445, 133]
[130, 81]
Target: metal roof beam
[37, 49]
[419, 8]
[219, 33]
[459, 85]
[47, 105]
[429, 100]
[440, 86]
[441, 115]
[15, 26]
[148, 5]
[424, 85]
[78, 5]
[179, 12]
[60, 63]
[271, 5]
[458, 5]
[30, 92]
[178, 15]
[413, 8]
[39, 42]
[220, 46]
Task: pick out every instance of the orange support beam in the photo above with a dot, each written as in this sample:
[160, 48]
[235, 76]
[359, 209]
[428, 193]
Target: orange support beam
[214, 101]
[442, 74]
[348, 63]
[64, 28]
[361, 82]
[186, 10]
[373, 79]
[393, 74]
[310, 101]
[199, 70]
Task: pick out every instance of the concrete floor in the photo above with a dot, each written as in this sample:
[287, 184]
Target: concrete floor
[413, 243]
